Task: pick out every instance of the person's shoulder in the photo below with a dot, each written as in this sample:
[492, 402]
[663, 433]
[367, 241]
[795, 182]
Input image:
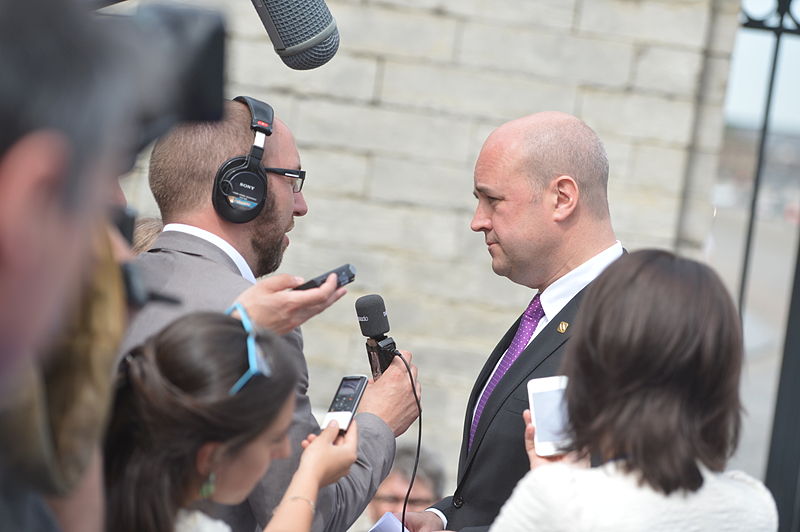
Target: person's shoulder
[567, 474]
[197, 521]
[573, 486]
[557, 483]
[544, 498]
[748, 490]
[740, 481]
[169, 269]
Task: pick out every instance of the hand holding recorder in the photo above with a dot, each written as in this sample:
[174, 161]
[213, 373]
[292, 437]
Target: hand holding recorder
[276, 304]
[388, 396]
[329, 455]
[327, 458]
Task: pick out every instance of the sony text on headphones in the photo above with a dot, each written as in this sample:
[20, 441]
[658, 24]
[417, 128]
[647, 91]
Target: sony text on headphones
[240, 186]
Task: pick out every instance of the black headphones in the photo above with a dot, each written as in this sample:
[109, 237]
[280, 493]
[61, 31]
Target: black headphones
[240, 187]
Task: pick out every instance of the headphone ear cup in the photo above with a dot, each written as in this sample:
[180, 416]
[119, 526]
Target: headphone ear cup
[240, 190]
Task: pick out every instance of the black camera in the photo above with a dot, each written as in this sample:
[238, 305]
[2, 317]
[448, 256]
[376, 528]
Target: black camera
[175, 56]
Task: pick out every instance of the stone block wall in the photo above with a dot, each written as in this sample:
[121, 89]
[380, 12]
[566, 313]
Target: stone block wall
[389, 131]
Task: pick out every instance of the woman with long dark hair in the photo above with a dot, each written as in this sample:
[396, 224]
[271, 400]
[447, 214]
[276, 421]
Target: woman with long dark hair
[653, 398]
[200, 411]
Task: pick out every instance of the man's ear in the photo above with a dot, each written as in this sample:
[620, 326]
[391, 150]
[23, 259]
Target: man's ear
[566, 197]
[32, 176]
[207, 457]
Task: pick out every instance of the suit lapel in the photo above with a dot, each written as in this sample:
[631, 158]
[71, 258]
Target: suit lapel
[544, 345]
[480, 382]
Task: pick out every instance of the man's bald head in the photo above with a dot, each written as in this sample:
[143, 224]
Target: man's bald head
[185, 161]
[550, 144]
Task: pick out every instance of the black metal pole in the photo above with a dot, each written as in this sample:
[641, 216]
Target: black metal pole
[757, 180]
[783, 467]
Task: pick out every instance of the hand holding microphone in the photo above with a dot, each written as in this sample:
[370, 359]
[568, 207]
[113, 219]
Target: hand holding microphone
[386, 396]
[374, 325]
[389, 397]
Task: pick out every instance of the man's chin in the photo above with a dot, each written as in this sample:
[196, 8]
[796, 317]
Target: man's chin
[269, 262]
[499, 267]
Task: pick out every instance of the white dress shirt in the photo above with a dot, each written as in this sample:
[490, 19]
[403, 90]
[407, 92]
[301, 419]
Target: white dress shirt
[556, 296]
[221, 243]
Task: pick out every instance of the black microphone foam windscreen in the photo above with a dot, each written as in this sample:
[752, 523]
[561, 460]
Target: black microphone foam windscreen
[303, 32]
[372, 317]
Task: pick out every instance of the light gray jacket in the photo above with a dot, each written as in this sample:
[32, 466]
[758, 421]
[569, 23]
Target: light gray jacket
[204, 278]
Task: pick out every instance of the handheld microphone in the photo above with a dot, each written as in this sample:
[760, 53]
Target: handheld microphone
[374, 324]
[303, 32]
[381, 349]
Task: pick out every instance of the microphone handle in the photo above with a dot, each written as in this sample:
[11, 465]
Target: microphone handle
[380, 354]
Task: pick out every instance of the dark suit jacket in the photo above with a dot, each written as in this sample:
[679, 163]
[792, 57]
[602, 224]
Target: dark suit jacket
[488, 472]
[206, 279]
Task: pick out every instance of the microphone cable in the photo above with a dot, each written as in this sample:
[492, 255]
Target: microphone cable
[419, 439]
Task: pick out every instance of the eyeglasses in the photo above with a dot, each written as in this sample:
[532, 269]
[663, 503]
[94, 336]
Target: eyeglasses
[395, 500]
[298, 176]
[255, 357]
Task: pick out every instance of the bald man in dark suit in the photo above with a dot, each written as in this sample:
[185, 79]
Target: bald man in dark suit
[540, 182]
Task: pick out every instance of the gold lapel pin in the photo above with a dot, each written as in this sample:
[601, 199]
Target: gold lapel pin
[562, 327]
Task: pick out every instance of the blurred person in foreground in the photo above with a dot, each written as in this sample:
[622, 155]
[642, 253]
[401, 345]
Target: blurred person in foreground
[57, 165]
[541, 185]
[653, 395]
[201, 410]
[428, 484]
[62, 98]
[208, 262]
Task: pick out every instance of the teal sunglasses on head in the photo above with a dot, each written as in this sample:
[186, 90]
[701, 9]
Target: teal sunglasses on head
[258, 364]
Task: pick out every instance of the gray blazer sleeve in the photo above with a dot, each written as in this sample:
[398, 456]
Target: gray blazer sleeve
[351, 494]
[338, 505]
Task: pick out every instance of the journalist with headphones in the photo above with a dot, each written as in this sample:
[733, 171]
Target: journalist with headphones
[229, 193]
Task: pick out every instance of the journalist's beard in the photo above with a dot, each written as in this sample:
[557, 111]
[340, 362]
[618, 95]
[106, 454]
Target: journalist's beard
[269, 241]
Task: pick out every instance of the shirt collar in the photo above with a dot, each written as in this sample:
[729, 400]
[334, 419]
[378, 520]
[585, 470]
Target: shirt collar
[222, 244]
[556, 296]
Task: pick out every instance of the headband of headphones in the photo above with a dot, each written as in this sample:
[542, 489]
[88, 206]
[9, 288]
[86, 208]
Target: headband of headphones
[261, 119]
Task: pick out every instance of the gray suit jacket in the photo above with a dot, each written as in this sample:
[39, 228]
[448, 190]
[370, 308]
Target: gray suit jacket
[204, 278]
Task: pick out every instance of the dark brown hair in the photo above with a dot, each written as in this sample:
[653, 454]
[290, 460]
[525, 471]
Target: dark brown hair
[172, 396]
[653, 367]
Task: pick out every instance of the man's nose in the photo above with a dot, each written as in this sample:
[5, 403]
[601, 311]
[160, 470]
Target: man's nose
[300, 206]
[480, 222]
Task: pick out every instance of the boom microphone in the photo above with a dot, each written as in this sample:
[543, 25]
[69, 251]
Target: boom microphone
[374, 324]
[303, 32]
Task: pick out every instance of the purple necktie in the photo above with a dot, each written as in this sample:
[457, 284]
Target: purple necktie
[530, 319]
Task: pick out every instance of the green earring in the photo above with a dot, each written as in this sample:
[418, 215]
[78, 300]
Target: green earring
[207, 489]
